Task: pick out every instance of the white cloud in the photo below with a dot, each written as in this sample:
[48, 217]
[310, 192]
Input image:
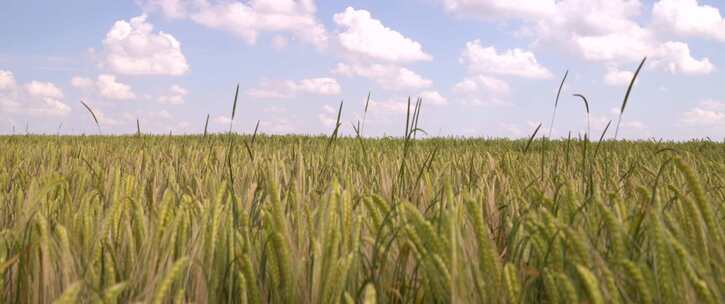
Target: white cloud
[498, 9]
[713, 105]
[81, 82]
[106, 120]
[589, 18]
[387, 76]
[133, 48]
[35, 98]
[367, 36]
[478, 83]
[43, 89]
[110, 88]
[475, 100]
[288, 89]
[516, 62]
[616, 77]
[687, 18]
[389, 106]
[247, 20]
[7, 80]
[50, 107]
[328, 116]
[175, 95]
[433, 97]
[319, 86]
[465, 86]
[676, 58]
[222, 120]
[163, 114]
[707, 113]
[627, 45]
[605, 31]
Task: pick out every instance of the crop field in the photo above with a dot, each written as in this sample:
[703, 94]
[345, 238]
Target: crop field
[294, 219]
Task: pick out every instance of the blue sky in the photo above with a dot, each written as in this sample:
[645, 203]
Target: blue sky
[486, 68]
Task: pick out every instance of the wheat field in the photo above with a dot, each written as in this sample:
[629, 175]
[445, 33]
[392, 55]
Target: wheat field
[295, 219]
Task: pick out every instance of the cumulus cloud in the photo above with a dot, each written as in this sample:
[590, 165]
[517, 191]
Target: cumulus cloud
[366, 36]
[433, 98]
[479, 83]
[43, 89]
[688, 18]
[105, 85]
[7, 80]
[625, 46]
[707, 113]
[81, 82]
[328, 116]
[248, 19]
[287, 89]
[222, 120]
[132, 47]
[175, 95]
[607, 31]
[110, 88]
[676, 58]
[35, 98]
[616, 77]
[389, 106]
[516, 62]
[480, 87]
[391, 77]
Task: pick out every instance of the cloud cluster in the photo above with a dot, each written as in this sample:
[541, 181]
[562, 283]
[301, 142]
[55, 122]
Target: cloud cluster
[34, 98]
[366, 36]
[377, 52]
[616, 77]
[175, 95]
[248, 19]
[516, 62]
[106, 86]
[708, 113]
[369, 48]
[688, 18]
[132, 47]
[608, 31]
[484, 63]
[391, 77]
[288, 89]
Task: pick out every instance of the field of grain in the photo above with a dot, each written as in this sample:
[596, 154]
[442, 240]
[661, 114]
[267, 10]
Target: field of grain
[292, 219]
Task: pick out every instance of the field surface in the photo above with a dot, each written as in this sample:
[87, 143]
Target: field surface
[292, 219]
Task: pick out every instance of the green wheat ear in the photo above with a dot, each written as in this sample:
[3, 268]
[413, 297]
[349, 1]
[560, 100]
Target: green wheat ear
[556, 102]
[70, 295]
[138, 128]
[586, 105]
[531, 138]
[626, 96]
[206, 125]
[95, 119]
